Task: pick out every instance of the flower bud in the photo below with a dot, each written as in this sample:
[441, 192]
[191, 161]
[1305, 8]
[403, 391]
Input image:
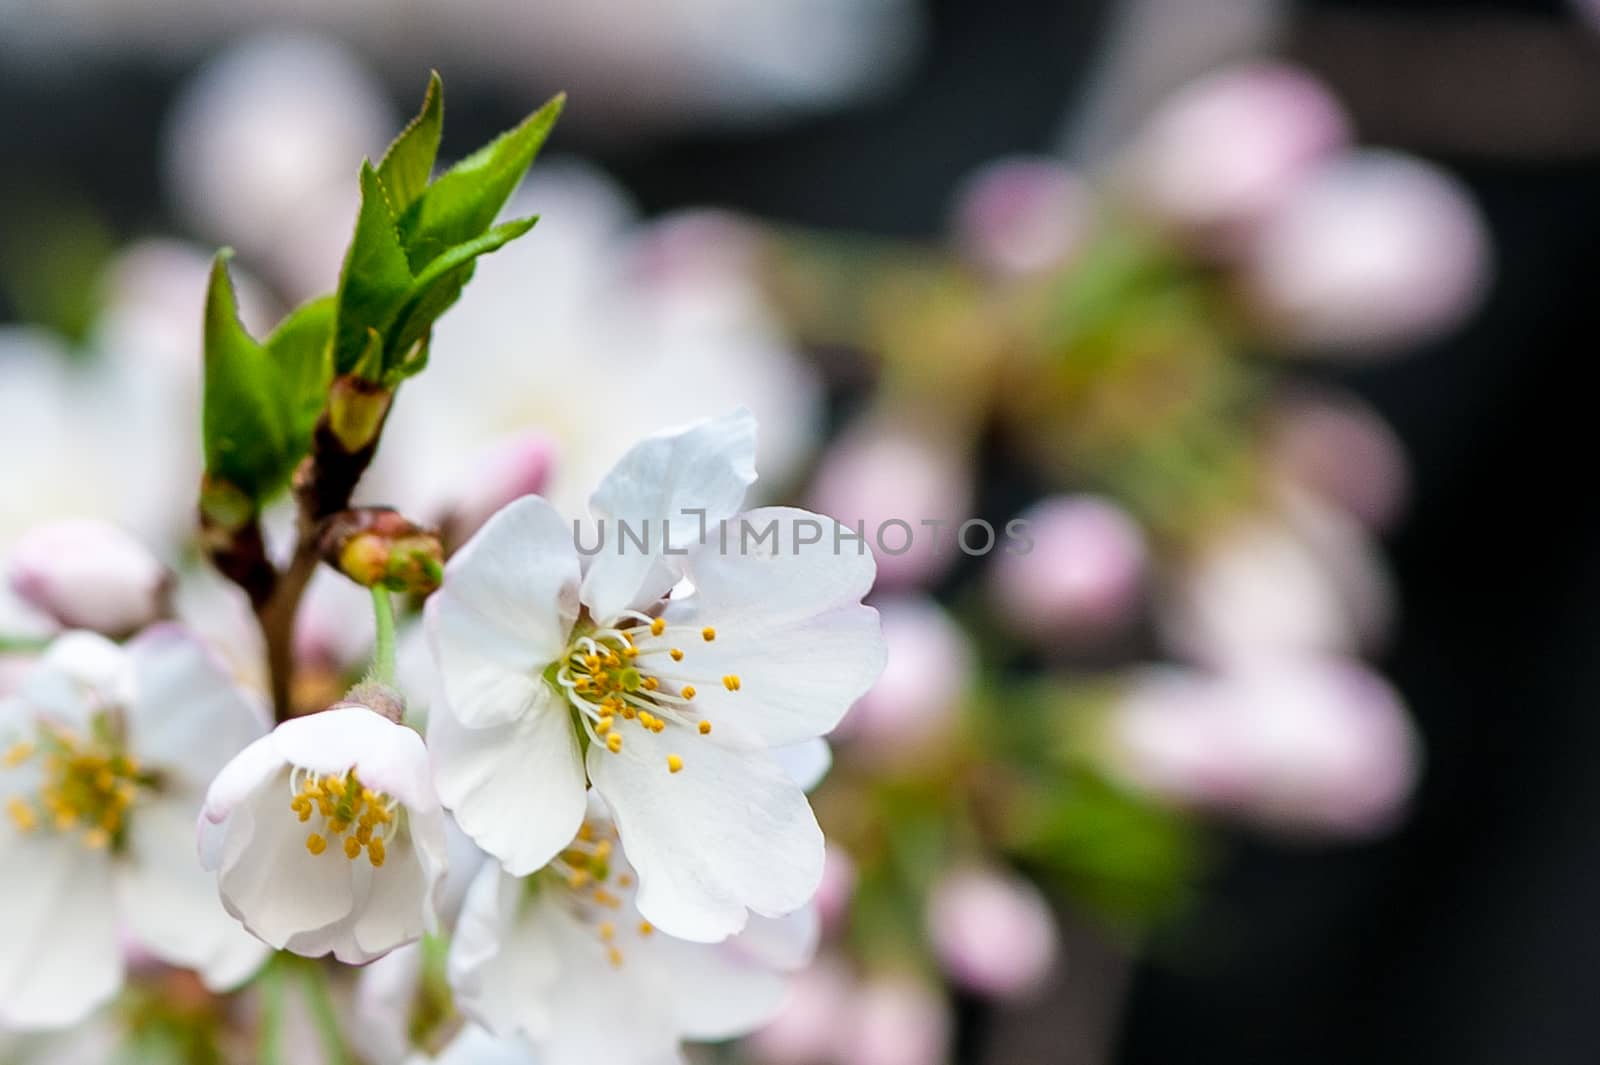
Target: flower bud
[1304, 745]
[90, 575]
[1336, 446]
[896, 1021]
[1021, 216]
[376, 546]
[1375, 252]
[1224, 153]
[911, 710]
[356, 409]
[1081, 574]
[992, 932]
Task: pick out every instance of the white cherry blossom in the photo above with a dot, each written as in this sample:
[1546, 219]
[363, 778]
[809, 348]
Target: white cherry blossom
[107, 753]
[565, 959]
[327, 837]
[557, 672]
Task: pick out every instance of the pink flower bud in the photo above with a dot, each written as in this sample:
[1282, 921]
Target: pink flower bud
[896, 1021]
[911, 710]
[512, 467]
[1017, 217]
[1375, 252]
[1303, 745]
[90, 575]
[806, 1030]
[838, 887]
[890, 479]
[1338, 447]
[993, 932]
[1082, 573]
[1225, 152]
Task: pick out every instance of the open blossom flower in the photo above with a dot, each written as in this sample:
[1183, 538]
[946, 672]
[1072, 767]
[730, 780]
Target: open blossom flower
[402, 1014]
[326, 835]
[554, 674]
[551, 957]
[107, 753]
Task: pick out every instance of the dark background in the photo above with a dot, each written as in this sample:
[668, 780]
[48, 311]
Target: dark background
[1473, 934]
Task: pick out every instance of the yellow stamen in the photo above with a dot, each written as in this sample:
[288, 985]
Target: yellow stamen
[645, 928]
[614, 742]
[677, 655]
[376, 853]
[731, 682]
[316, 844]
[16, 754]
[607, 930]
[674, 763]
[658, 626]
[705, 728]
[352, 848]
[708, 634]
[688, 691]
[22, 815]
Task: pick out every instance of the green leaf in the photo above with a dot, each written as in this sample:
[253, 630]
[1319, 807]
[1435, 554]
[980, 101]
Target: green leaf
[408, 163]
[440, 284]
[261, 400]
[463, 203]
[375, 280]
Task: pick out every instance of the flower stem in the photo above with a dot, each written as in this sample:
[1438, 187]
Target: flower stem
[383, 656]
[269, 1050]
[325, 1016]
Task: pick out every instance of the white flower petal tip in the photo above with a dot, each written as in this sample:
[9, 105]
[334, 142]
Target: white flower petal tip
[548, 958]
[103, 753]
[327, 837]
[711, 644]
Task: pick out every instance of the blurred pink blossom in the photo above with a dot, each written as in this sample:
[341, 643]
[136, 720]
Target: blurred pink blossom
[514, 466]
[890, 478]
[1223, 154]
[89, 575]
[806, 1032]
[1022, 216]
[895, 1021]
[992, 932]
[1302, 745]
[1082, 574]
[1374, 252]
[912, 709]
[1335, 445]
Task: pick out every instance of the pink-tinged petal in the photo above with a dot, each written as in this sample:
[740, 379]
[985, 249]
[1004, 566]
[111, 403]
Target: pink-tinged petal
[509, 599]
[518, 788]
[730, 832]
[249, 770]
[788, 623]
[657, 491]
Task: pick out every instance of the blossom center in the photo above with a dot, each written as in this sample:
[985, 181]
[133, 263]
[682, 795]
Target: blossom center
[599, 891]
[632, 672]
[343, 813]
[86, 786]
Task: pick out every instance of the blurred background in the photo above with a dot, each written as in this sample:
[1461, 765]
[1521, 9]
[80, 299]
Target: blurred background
[1265, 317]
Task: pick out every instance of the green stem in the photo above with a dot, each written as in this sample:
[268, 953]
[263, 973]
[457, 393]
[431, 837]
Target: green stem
[325, 1016]
[383, 656]
[270, 1048]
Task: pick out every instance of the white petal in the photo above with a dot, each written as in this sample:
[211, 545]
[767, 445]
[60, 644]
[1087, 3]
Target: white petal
[185, 712]
[806, 762]
[249, 771]
[509, 599]
[518, 788]
[399, 908]
[168, 901]
[503, 961]
[789, 623]
[667, 478]
[474, 1046]
[78, 672]
[787, 943]
[730, 832]
[386, 756]
[59, 957]
[275, 885]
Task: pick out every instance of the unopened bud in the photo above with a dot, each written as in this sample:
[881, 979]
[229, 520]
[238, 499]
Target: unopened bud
[992, 932]
[356, 409]
[224, 507]
[380, 698]
[376, 546]
[90, 575]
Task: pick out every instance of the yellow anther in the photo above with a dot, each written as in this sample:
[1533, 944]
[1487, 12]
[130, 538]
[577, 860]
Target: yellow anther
[602, 849]
[630, 651]
[625, 880]
[708, 634]
[629, 713]
[677, 655]
[603, 726]
[592, 660]
[688, 691]
[658, 626]
[705, 728]
[607, 930]
[376, 853]
[22, 815]
[606, 899]
[586, 831]
[578, 879]
[614, 956]
[731, 682]
[650, 684]
[674, 763]
[16, 754]
[316, 844]
[614, 742]
[338, 825]
[362, 837]
[645, 928]
[97, 839]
